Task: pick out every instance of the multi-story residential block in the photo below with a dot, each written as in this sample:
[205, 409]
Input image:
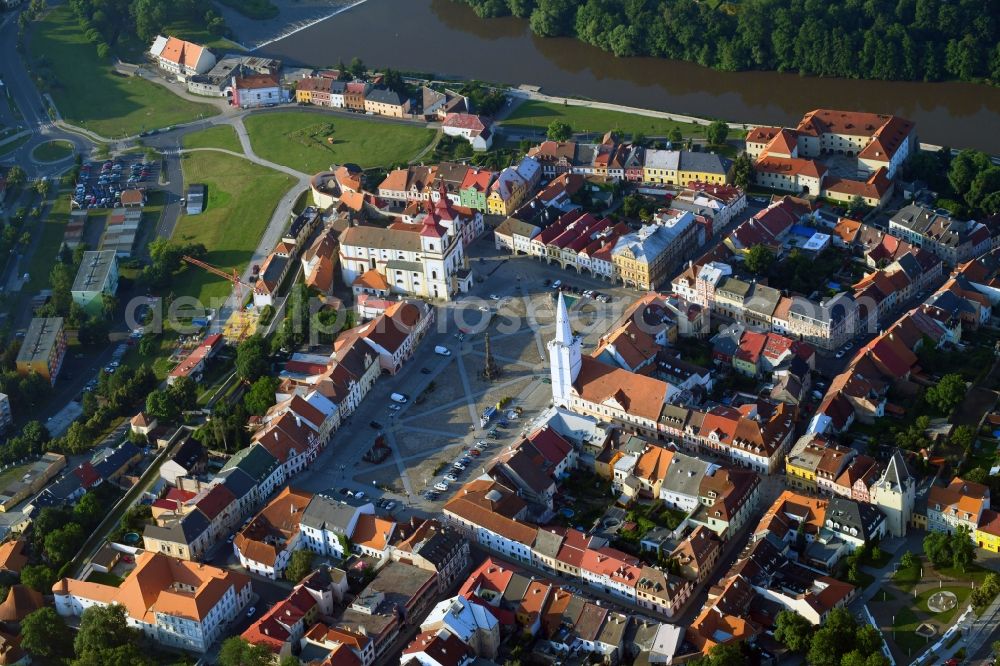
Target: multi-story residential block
[175, 603]
[954, 241]
[43, 348]
[97, 277]
[430, 545]
[475, 188]
[470, 622]
[256, 90]
[515, 236]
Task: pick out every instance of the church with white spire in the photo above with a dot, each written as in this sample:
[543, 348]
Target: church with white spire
[565, 357]
[586, 385]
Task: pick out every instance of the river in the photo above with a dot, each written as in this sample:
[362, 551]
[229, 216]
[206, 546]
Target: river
[447, 38]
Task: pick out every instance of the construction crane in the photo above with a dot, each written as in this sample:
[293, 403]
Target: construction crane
[233, 277]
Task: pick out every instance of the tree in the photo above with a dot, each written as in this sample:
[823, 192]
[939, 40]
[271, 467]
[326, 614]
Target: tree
[300, 565]
[358, 69]
[964, 436]
[553, 18]
[964, 168]
[237, 652]
[856, 206]
[793, 630]
[675, 135]
[908, 560]
[159, 405]
[38, 577]
[977, 475]
[717, 132]
[251, 358]
[559, 131]
[724, 654]
[742, 171]
[44, 634]
[937, 548]
[43, 186]
[963, 548]
[947, 393]
[183, 393]
[261, 396]
[16, 176]
[63, 543]
[89, 511]
[759, 259]
[102, 628]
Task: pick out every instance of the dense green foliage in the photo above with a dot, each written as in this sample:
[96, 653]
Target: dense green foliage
[872, 39]
[945, 550]
[839, 641]
[113, 21]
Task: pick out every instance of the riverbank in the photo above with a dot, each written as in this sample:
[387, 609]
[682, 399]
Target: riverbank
[503, 50]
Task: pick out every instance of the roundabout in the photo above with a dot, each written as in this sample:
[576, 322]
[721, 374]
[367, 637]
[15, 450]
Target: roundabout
[55, 150]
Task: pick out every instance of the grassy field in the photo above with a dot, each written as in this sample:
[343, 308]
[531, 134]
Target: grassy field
[539, 115]
[88, 92]
[53, 228]
[241, 198]
[223, 136]
[299, 140]
[105, 578]
[50, 151]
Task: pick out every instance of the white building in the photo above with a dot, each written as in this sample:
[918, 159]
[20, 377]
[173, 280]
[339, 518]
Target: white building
[327, 524]
[180, 57]
[176, 603]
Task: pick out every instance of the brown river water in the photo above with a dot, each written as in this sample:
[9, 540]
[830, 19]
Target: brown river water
[446, 38]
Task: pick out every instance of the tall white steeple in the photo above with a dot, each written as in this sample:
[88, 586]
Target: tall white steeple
[895, 494]
[565, 357]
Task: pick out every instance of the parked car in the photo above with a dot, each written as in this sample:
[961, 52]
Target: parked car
[375, 424]
[425, 371]
[398, 397]
[442, 351]
[450, 477]
[441, 485]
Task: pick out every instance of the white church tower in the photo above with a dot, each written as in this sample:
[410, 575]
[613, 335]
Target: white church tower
[895, 493]
[564, 357]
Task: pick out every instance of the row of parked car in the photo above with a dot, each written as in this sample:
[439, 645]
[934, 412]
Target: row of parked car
[558, 285]
[457, 468]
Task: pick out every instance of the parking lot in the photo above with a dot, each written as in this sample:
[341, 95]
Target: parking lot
[101, 184]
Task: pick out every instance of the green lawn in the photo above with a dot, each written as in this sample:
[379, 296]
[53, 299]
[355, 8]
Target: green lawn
[537, 114]
[903, 628]
[299, 140]
[51, 151]
[53, 228]
[223, 136]
[87, 91]
[241, 198]
[105, 578]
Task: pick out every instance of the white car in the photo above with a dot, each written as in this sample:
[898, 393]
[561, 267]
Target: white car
[251, 611]
[494, 297]
[398, 397]
[483, 308]
[441, 485]
[394, 408]
[450, 477]
[359, 495]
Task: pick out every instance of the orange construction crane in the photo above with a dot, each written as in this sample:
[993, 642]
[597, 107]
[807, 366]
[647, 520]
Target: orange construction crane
[233, 277]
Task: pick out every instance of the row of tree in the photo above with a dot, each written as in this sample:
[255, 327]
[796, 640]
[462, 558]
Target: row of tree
[108, 22]
[872, 39]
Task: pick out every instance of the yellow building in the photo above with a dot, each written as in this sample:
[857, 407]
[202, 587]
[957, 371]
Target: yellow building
[703, 167]
[801, 463]
[43, 348]
[385, 102]
[660, 167]
[987, 535]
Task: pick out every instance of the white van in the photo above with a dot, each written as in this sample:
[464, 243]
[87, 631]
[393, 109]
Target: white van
[442, 351]
[398, 397]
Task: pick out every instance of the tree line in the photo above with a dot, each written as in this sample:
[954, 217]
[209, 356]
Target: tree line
[927, 40]
[107, 23]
